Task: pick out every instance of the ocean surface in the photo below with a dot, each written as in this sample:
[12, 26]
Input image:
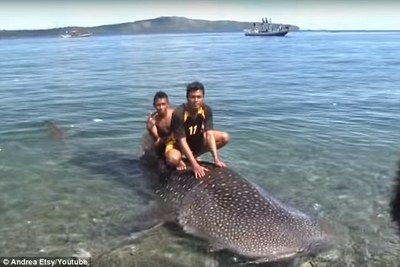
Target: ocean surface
[314, 119]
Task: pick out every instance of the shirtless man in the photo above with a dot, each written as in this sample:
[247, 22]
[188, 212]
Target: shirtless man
[159, 122]
[193, 134]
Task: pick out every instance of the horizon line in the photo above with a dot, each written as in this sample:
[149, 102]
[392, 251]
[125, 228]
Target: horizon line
[315, 30]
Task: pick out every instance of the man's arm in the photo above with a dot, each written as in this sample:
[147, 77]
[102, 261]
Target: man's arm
[152, 127]
[212, 146]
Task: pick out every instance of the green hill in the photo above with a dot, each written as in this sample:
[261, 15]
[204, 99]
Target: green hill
[150, 26]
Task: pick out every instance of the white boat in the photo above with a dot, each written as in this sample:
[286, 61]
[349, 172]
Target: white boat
[76, 34]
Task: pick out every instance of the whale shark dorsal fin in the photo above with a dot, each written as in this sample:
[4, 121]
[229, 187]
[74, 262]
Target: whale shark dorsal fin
[55, 131]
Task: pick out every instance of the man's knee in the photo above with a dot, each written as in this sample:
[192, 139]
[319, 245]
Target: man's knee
[225, 138]
[222, 139]
[173, 157]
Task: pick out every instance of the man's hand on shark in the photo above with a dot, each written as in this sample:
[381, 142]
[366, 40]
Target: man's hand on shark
[199, 171]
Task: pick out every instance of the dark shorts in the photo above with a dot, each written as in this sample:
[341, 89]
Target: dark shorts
[197, 146]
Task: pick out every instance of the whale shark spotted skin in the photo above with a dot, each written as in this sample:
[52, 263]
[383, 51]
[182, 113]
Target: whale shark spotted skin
[234, 214]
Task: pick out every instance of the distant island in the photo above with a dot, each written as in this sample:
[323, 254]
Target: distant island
[150, 26]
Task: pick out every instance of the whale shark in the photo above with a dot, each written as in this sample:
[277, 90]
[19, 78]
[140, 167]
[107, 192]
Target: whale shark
[230, 212]
[235, 214]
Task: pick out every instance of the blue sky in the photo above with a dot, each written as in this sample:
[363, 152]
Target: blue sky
[307, 14]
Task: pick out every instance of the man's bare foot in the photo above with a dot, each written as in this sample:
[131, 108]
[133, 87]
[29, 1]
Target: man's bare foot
[181, 166]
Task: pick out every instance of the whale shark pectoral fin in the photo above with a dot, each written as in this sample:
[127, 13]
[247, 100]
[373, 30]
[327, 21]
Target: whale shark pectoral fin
[275, 257]
[152, 218]
[138, 234]
[216, 246]
[157, 215]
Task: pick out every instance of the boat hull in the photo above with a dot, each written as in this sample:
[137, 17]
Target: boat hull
[280, 33]
[76, 36]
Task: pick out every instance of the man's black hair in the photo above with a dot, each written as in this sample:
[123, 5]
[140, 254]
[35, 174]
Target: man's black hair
[159, 95]
[194, 86]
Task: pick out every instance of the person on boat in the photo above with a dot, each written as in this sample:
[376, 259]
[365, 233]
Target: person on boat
[159, 122]
[193, 133]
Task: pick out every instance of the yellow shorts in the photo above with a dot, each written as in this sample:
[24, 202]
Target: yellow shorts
[170, 144]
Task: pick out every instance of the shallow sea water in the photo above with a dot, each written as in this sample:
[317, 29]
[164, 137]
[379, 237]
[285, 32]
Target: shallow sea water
[314, 119]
